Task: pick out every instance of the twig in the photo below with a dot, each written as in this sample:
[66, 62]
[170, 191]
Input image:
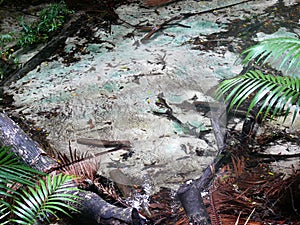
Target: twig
[238, 219]
[161, 26]
[146, 75]
[187, 129]
[249, 216]
[186, 15]
[273, 157]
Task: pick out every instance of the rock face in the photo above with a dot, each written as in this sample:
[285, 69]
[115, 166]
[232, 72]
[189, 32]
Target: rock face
[113, 92]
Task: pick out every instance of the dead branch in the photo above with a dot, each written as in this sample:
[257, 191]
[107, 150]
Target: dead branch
[189, 193]
[160, 27]
[104, 143]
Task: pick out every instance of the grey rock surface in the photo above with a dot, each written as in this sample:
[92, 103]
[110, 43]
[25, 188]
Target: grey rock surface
[111, 92]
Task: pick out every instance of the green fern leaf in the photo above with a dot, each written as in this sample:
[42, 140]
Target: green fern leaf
[273, 94]
[271, 50]
[47, 197]
[12, 172]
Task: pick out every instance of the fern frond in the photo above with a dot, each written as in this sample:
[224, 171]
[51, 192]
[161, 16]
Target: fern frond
[273, 94]
[47, 197]
[285, 49]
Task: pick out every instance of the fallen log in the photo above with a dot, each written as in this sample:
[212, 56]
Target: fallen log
[23, 146]
[91, 206]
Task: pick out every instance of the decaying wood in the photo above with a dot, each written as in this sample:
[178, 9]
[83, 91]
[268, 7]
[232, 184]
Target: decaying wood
[92, 207]
[218, 122]
[189, 193]
[208, 107]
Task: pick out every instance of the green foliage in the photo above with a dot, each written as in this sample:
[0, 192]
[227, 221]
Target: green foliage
[47, 197]
[50, 20]
[13, 172]
[272, 95]
[4, 39]
[284, 50]
[28, 197]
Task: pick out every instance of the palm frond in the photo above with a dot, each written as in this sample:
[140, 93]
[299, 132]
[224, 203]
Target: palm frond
[284, 50]
[46, 198]
[4, 211]
[272, 94]
[82, 165]
[13, 174]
